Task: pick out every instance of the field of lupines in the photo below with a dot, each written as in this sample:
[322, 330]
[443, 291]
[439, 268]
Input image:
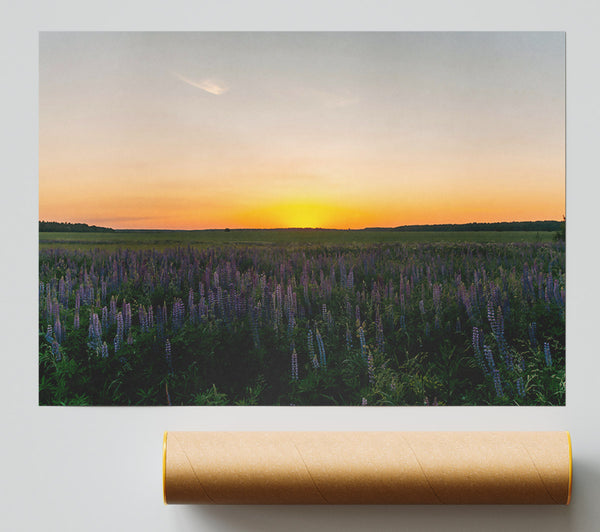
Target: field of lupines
[357, 324]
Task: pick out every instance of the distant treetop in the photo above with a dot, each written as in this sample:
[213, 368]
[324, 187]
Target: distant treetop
[67, 227]
[542, 225]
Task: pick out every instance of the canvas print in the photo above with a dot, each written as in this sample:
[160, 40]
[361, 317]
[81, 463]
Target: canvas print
[363, 218]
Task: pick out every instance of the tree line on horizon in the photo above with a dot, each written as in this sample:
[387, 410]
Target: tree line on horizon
[67, 227]
[542, 225]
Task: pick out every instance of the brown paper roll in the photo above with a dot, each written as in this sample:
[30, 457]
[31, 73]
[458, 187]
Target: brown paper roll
[367, 467]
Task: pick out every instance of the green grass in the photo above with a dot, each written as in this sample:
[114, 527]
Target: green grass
[170, 239]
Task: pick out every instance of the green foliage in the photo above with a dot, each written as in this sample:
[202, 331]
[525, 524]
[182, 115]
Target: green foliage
[309, 237]
[210, 397]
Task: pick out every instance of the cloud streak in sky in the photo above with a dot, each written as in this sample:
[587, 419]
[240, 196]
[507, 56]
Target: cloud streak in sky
[208, 85]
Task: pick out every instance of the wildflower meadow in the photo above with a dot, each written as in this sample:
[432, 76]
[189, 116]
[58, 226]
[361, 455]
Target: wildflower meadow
[392, 323]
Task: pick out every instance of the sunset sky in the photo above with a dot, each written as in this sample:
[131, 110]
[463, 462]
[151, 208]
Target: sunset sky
[342, 130]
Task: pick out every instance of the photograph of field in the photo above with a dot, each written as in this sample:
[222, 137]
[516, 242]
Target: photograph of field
[302, 219]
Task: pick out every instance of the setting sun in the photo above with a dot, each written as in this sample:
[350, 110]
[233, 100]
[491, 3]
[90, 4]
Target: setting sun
[303, 215]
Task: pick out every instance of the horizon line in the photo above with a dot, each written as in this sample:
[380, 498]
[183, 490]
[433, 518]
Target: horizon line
[297, 228]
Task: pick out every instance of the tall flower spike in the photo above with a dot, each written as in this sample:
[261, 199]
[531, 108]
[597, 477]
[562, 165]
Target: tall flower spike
[168, 356]
[363, 343]
[294, 365]
[321, 347]
[371, 368]
[547, 354]
[311, 350]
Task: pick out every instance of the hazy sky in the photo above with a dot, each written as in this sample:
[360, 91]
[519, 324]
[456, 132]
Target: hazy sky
[213, 130]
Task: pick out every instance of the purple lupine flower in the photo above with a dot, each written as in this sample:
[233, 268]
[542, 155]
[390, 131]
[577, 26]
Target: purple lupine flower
[497, 383]
[422, 307]
[311, 350]
[371, 368]
[95, 332]
[112, 315]
[476, 344]
[126, 316]
[547, 354]
[211, 301]
[104, 318]
[520, 387]
[168, 356]
[489, 356]
[150, 320]
[491, 315]
[321, 347]
[305, 289]
[104, 350]
[294, 365]
[477, 341]
[364, 402]
[291, 320]
[178, 314]
[175, 315]
[76, 320]
[58, 332]
[556, 292]
[191, 299]
[363, 343]
[532, 330]
[120, 332]
[55, 309]
[62, 292]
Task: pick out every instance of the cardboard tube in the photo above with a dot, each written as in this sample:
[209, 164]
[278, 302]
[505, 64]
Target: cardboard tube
[367, 467]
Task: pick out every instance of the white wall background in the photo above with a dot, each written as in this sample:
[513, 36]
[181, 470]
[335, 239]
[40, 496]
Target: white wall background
[89, 469]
